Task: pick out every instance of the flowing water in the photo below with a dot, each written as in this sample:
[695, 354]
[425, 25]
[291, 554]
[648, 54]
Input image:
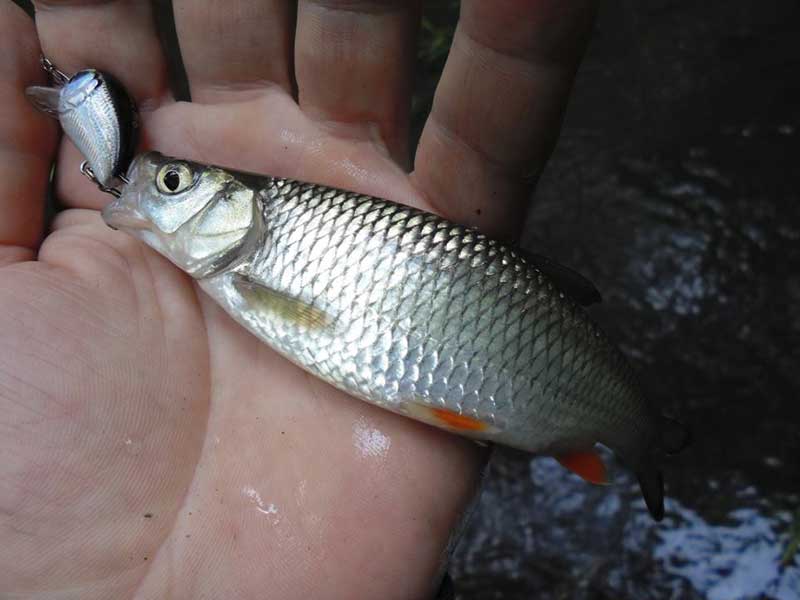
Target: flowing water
[676, 188]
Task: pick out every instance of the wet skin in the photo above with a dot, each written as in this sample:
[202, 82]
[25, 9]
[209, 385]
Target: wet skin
[150, 446]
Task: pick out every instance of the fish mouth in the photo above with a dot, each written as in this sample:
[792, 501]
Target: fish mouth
[123, 213]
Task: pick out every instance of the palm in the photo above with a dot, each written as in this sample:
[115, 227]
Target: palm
[154, 445]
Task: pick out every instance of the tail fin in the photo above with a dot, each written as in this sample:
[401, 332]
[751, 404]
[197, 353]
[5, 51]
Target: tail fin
[672, 438]
[651, 481]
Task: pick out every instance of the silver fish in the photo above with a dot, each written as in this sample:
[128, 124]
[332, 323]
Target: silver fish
[98, 116]
[403, 309]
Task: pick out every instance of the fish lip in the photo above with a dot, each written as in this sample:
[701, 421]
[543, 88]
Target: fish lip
[123, 219]
[122, 214]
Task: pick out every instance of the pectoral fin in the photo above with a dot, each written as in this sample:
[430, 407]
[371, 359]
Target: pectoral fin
[587, 464]
[263, 298]
[569, 281]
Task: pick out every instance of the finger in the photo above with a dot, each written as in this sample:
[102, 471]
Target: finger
[498, 108]
[117, 37]
[354, 63]
[27, 139]
[233, 48]
[287, 144]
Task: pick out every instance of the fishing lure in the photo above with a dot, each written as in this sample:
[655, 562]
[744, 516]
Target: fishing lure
[96, 114]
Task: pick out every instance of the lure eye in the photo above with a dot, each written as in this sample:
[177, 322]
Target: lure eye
[174, 178]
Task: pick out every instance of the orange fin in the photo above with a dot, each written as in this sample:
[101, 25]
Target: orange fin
[587, 464]
[447, 419]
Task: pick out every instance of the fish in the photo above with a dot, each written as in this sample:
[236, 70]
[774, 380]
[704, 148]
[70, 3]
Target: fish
[405, 310]
[98, 116]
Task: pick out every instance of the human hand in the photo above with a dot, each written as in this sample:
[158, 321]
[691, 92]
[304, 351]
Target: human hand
[150, 446]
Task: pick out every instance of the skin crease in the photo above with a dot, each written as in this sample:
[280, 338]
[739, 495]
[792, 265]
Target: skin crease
[150, 447]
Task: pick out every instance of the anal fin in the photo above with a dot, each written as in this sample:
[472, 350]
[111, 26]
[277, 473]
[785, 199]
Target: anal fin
[587, 464]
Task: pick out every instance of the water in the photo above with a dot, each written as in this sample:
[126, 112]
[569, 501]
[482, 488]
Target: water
[676, 188]
[541, 529]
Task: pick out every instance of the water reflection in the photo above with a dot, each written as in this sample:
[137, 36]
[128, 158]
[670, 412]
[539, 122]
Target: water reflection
[738, 559]
[675, 188]
[573, 540]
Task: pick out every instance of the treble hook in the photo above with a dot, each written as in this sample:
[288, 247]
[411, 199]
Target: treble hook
[59, 77]
[89, 174]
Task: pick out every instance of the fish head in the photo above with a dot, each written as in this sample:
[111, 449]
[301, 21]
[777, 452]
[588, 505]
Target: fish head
[197, 216]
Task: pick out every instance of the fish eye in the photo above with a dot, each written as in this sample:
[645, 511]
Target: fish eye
[174, 178]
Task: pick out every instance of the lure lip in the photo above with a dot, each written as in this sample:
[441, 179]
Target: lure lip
[78, 89]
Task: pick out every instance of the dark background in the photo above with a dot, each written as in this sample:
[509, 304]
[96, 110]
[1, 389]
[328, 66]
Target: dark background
[675, 188]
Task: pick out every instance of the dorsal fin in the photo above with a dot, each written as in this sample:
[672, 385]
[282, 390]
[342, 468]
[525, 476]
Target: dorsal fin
[567, 280]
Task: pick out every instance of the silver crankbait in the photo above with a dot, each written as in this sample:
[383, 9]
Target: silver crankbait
[97, 114]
